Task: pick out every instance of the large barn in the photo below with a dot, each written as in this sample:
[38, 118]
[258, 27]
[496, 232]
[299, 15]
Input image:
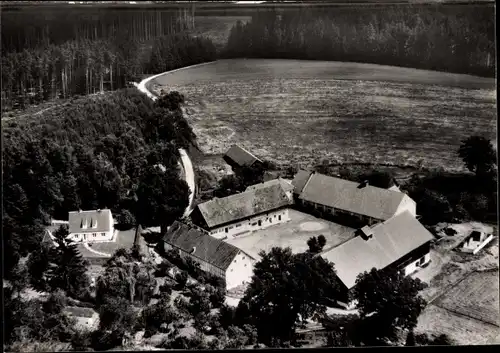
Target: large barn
[214, 256]
[348, 202]
[401, 243]
[238, 157]
[258, 207]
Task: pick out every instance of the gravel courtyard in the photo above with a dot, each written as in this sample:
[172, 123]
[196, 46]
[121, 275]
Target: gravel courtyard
[293, 234]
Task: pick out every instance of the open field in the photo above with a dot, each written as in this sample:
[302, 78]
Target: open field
[475, 296]
[464, 330]
[293, 234]
[304, 112]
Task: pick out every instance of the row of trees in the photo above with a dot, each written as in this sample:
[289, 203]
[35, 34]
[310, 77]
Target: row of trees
[445, 38]
[32, 27]
[98, 152]
[84, 66]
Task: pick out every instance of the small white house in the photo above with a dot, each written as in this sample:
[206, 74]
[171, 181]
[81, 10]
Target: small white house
[214, 256]
[86, 318]
[91, 226]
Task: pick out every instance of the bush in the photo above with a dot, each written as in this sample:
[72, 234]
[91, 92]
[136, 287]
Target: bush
[217, 298]
[181, 279]
[126, 220]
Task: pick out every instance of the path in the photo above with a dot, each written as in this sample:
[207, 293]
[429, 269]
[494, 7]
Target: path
[186, 161]
[86, 246]
[34, 114]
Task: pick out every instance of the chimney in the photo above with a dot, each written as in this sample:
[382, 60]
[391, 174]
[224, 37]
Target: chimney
[193, 250]
[363, 184]
[98, 210]
[79, 210]
[366, 233]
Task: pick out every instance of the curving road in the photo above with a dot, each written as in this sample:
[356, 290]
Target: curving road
[186, 161]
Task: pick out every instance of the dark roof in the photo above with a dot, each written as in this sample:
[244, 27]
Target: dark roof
[241, 156]
[266, 198]
[346, 195]
[95, 218]
[207, 248]
[300, 180]
[283, 183]
[391, 240]
[80, 312]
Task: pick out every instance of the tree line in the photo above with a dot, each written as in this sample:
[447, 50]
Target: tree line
[118, 151]
[85, 66]
[28, 28]
[458, 39]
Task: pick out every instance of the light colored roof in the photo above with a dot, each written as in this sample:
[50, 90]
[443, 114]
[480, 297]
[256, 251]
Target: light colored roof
[346, 195]
[96, 218]
[80, 312]
[207, 248]
[279, 181]
[300, 180]
[246, 204]
[241, 156]
[391, 240]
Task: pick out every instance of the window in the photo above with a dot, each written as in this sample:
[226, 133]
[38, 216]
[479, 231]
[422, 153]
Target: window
[103, 234]
[260, 222]
[226, 230]
[279, 218]
[421, 261]
[245, 265]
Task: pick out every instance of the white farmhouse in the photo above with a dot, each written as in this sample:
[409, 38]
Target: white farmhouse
[91, 226]
[258, 207]
[214, 256]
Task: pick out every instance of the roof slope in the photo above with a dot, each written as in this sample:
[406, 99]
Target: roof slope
[77, 218]
[345, 195]
[279, 181]
[300, 180]
[239, 206]
[391, 240]
[207, 248]
[241, 156]
[80, 312]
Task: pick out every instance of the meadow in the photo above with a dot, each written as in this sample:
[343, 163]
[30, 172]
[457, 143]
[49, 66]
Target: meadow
[307, 113]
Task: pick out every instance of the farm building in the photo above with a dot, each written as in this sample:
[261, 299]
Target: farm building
[214, 256]
[285, 185]
[86, 318]
[348, 202]
[258, 207]
[91, 226]
[401, 243]
[238, 157]
[475, 241]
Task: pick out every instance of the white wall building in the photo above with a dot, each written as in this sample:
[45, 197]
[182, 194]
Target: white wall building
[214, 256]
[91, 226]
[258, 207]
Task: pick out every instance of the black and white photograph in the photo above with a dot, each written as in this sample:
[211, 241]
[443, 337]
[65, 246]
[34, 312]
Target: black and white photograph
[210, 175]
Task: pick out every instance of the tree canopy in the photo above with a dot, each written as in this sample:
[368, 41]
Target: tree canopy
[478, 155]
[388, 300]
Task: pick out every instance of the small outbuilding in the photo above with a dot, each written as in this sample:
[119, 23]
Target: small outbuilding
[238, 157]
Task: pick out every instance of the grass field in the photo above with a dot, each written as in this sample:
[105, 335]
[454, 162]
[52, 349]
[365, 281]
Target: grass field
[304, 112]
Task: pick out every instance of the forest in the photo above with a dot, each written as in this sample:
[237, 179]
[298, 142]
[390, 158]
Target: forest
[56, 57]
[95, 152]
[459, 39]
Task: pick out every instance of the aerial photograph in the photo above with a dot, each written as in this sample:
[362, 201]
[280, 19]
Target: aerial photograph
[209, 175]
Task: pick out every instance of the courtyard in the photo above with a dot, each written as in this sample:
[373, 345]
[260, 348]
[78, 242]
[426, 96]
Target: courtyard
[293, 234]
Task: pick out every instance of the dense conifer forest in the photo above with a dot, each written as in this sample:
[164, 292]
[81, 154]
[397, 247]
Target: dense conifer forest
[458, 39]
[47, 54]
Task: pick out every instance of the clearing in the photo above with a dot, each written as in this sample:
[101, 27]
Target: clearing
[340, 112]
[293, 234]
[463, 292]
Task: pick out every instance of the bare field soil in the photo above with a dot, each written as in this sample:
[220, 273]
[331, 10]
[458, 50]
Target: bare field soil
[464, 330]
[476, 296]
[303, 112]
[293, 234]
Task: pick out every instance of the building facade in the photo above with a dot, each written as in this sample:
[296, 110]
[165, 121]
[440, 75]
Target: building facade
[213, 255]
[259, 207]
[91, 226]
